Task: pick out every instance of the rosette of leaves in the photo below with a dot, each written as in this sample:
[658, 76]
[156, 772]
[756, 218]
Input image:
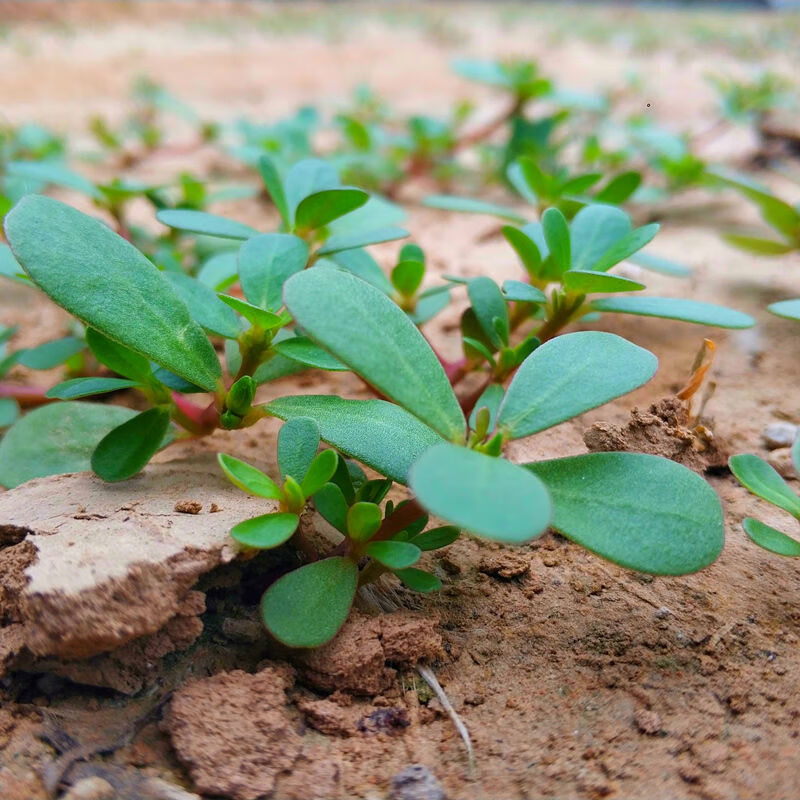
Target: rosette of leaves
[308, 605]
[757, 476]
[640, 511]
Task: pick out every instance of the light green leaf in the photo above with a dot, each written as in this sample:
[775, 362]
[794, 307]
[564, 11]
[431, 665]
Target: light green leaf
[490, 497]
[50, 354]
[352, 241]
[759, 246]
[469, 205]
[248, 478]
[272, 180]
[184, 219]
[643, 512]
[205, 306]
[523, 292]
[50, 172]
[304, 351]
[320, 208]
[267, 531]
[407, 277]
[771, 539]
[796, 453]
[569, 375]
[625, 247]
[556, 234]
[594, 230]
[361, 263]
[266, 262]
[525, 248]
[109, 285]
[320, 472]
[125, 451]
[219, 271]
[363, 521]
[490, 309]
[55, 439]
[620, 188]
[306, 607]
[9, 267]
[675, 308]
[656, 263]
[305, 178]
[395, 555]
[84, 387]
[253, 314]
[763, 481]
[369, 333]
[298, 442]
[491, 398]
[790, 309]
[379, 434]
[9, 411]
[588, 281]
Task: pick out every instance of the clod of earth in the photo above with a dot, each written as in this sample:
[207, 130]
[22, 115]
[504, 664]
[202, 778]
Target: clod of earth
[663, 430]
[100, 567]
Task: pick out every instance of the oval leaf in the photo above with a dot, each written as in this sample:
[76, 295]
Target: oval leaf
[556, 234]
[331, 503]
[395, 555]
[640, 511]
[436, 537]
[108, 284]
[307, 607]
[764, 481]
[569, 375]
[123, 452]
[490, 497]
[588, 281]
[55, 439]
[320, 472]
[790, 309]
[206, 308]
[594, 230]
[84, 387]
[363, 521]
[298, 442]
[675, 308]
[320, 208]
[370, 334]
[267, 531]
[305, 352]
[771, 539]
[248, 478]
[265, 264]
[419, 580]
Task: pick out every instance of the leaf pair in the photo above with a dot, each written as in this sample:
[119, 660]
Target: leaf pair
[764, 481]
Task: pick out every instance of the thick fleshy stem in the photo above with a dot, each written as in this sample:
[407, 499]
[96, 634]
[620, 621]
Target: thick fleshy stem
[26, 396]
[197, 420]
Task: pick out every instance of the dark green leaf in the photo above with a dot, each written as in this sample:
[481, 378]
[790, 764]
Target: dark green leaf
[206, 308]
[556, 234]
[54, 439]
[248, 478]
[407, 277]
[675, 308]
[109, 285]
[50, 354]
[84, 387]
[320, 472]
[569, 375]
[490, 310]
[763, 481]
[487, 496]
[272, 180]
[298, 442]
[368, 332]
[267, 531]
[118, 358]
[125, 451]
[304, 351]
[331, 503]
[395, 555]
[320, 208]
[253, 314]
[771, 539]
[525, 248]
[643, 512]
[306, 607]
[419, 580]
[266, 262]
[587, 281]
[202, 222]
[619, 189]
[305, 178]
[381, 435]
[436, 537]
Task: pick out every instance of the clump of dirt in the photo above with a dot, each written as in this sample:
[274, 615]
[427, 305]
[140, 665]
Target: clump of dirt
[234, 733]
[663, 430]
[355, 661]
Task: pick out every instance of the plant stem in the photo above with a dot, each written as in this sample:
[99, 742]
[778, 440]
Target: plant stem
[25, 395]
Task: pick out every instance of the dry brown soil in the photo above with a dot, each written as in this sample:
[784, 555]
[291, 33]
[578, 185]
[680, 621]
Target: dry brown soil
[575, 678]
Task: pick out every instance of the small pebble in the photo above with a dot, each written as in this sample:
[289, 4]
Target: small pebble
[779, 434]
[188, 507]
[662, 613]
[780, 460]
[91, 789]
[416, 782]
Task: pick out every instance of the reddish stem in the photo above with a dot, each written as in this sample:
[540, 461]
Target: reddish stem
[25, 395]
[201, 420]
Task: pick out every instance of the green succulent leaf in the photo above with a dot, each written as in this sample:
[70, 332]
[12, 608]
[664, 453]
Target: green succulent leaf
[771, 539]
[125, 451]
[525, 247]
[307, 177]
[118, 358]
[9, 411]
[490, 309]
[619, 189]
[675, 308]
[50, 354]
[640, 511]
[362, 264]
[320, 472]
[523, 292]
[489, 497]
[55, 439]
[569, 375]
[407, 277]
[318, 209]
[272, 180]
[469, 205]
[759, 246]
[205, 306]
[50, 172]
[594, 231]
[306, 607]
[764, 481]
[341, 242]
[418, 580]
[394, 555]
[436, 538]
[253, 314]
[248, 478]
[379, 434]
[790, 309]
[109, 285]
[626, 247]
[588, 282]
[557, 236]
[267, 531]
[330, 502]
[664, 266]
[369, 333]
[184, 219]
[85, 387]
[219, 271]
[491, 398]
[266, 262]
[363, 521]
[298, 442]
[305, 352]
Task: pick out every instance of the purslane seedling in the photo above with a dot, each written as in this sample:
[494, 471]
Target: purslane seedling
[622, 506]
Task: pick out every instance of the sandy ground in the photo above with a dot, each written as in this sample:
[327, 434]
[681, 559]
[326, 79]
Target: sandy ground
[576, 679]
